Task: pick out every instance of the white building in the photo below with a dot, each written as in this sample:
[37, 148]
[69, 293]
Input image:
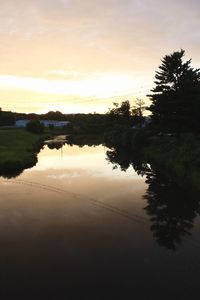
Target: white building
[54, 123]
[21, 123]
[47, 123]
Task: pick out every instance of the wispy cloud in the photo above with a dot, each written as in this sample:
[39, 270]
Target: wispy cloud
[102, 86]
[74, 40]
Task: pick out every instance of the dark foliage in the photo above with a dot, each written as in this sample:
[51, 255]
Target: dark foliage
[176, 96]
[91, 140]
[172, 209]
[120, 113]
[54, 115]
[7, 118]
[86, 123]
[35, 126]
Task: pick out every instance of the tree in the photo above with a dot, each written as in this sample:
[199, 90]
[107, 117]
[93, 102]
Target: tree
[138, 111]
[35, 126]
[176, 96]
[170, 212]
[125, 114]
[139, 108]
[120, 113]
[7, 118]
[55, 115]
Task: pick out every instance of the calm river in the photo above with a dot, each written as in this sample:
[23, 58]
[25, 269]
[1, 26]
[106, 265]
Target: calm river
[78, 220]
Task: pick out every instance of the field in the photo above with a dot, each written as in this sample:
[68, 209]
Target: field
[18, 149]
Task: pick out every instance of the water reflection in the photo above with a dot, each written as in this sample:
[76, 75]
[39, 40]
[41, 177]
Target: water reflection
[72, 220]
[56, 142]
[12, 172]
[171, 208]
[85, 140]
[12, 169]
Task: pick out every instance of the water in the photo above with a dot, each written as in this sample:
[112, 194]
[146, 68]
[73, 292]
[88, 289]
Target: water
[77, 220]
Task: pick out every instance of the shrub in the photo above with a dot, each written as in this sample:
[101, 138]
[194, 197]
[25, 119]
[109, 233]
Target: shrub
[35, 126]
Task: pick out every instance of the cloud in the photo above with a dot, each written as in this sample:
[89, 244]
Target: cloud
[133, 32]
[76, 39]
[134, 22]
[98, 86]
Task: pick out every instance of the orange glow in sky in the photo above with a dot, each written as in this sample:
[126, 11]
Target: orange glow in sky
[80, 56]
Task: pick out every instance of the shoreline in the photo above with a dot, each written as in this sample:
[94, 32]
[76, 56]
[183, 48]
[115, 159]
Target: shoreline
[18, 150]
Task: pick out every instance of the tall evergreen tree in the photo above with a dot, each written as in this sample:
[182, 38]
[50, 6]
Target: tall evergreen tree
[176, 97]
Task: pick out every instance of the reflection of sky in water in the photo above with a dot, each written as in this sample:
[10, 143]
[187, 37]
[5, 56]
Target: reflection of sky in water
[84, 161]
[78, 171]
[73, 220]
[70, 187]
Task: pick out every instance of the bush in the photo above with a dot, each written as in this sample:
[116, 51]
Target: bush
[35, 126]
[51, 127]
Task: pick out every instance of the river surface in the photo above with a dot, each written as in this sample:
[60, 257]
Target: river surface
[77, 220]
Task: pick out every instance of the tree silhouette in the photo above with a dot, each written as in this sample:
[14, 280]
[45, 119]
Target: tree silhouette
[138, 111]
[35, 126]
[119, 158]
[172, 210]
[139, 108]
[55, 115]
[7, 118]
[120, 113]
[176, 96]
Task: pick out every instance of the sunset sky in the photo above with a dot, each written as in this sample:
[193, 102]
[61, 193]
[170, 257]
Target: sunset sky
[82, 55]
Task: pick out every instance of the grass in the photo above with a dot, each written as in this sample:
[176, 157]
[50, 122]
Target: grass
[18, 149]
[180, 158]
[177, 156]
[16, 143]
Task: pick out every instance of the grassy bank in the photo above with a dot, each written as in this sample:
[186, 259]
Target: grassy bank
[178, 157]
[18, 149]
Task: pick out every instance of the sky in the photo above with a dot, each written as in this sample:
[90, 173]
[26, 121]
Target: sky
[83, 55]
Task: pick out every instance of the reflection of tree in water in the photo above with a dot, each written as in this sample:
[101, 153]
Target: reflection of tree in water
[118, 159]
[85, 140]
[55, 145]
[10, 173]
[12, 169]
[124, 158]
[171, 208]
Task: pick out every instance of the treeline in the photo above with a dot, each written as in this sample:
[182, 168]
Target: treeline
[79, 123]
[171, 138]
[86, 123]
[174, 109]
[7, 118]
[51, 115]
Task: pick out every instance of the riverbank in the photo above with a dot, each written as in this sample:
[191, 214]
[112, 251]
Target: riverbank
[178, 157]
[19, 147]
[18, 150]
